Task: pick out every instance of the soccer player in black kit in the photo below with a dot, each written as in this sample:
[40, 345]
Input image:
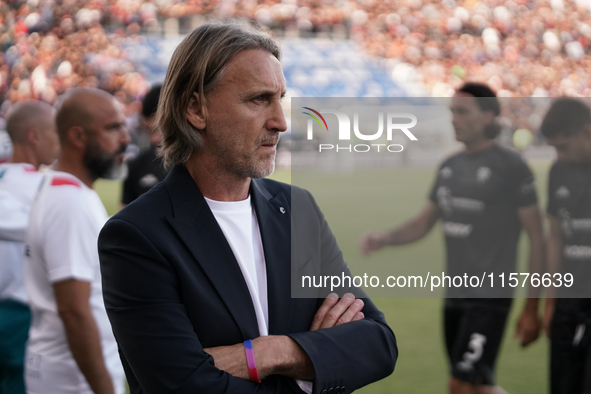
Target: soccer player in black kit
[567, 127]
[484, 195]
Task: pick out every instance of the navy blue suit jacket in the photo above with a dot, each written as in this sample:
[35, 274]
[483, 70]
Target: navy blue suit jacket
[172, 287]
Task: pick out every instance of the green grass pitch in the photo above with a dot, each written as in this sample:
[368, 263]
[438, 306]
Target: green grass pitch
[389, 196]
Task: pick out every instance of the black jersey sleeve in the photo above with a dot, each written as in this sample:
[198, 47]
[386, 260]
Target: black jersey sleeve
[552, 207]
[433, 193]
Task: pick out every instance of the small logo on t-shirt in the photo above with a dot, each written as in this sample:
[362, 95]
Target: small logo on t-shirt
[577, 252]
[446, 172]
[483, 174]
[457, 230]
[148, 180]
[444, 199]
[565, 222]
[528, 186]
[447, 202]
[562, 192]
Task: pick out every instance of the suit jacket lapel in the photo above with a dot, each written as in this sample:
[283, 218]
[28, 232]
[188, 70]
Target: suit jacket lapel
[195, 224]
[274, 217]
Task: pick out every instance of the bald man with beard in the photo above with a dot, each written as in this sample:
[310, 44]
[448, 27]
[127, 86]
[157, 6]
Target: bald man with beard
[31, 127]
[71, 347]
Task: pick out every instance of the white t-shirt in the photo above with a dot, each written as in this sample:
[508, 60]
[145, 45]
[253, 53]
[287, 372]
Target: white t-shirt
[19, 183]
[240, 226]
[61, 243]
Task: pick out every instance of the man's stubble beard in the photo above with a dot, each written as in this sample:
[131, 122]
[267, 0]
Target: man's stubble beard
[253, 166]
[102, 164]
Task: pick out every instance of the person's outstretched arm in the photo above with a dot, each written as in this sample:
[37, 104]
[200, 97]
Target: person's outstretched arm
[529, 324]
[410, 231]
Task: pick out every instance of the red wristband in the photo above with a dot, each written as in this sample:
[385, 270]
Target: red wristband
[252, 367]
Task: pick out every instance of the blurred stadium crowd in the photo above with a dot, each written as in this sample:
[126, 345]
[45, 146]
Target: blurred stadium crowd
[520, 48]
[49, 48]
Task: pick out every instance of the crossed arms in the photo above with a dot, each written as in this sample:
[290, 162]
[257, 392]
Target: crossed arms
[281, 355]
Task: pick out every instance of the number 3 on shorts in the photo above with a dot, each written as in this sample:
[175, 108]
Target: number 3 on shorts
[476, 345]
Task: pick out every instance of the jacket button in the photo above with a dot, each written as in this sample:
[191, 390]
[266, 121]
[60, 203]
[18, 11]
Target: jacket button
[324, 392]
[343, 389]
[337, 390]
[331, 391]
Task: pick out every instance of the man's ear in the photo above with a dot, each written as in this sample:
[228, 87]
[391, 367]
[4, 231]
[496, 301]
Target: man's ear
[78, 137]
[196, 112]
[33, 136]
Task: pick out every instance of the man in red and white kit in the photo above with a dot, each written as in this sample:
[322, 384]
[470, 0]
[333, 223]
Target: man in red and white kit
[71, 347]
[31, 127]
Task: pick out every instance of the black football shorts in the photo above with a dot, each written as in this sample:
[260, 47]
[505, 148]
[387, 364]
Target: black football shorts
[473, 334]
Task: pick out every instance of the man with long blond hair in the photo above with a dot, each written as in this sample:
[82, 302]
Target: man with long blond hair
[197, 271]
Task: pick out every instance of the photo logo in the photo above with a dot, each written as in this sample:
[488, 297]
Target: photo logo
[392, 122]
[345, 125]
[316, 119]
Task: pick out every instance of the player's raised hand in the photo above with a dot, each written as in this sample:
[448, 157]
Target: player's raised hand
[334, 312]
[371, 241]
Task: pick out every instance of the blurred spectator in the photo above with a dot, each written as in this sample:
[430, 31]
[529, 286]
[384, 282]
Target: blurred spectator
[147, 169]
[71, 348]
[31, 126]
